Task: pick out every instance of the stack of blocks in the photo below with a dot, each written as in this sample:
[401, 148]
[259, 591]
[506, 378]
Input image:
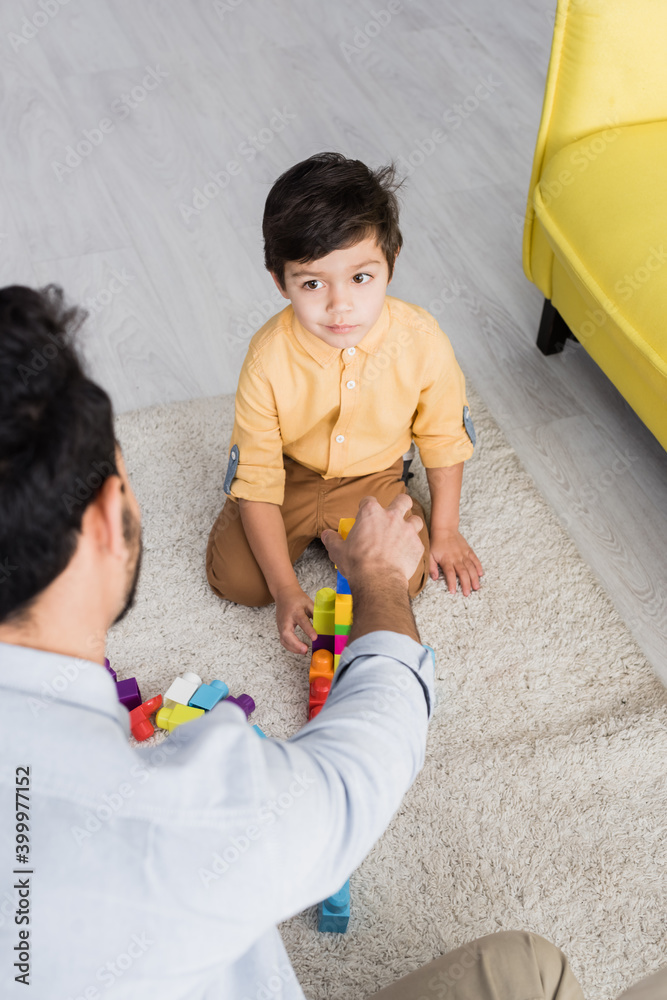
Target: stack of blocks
[332, 620]
[343, 605]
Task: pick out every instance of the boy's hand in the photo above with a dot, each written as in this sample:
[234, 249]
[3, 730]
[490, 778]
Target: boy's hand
[293, 607]
[451, 553]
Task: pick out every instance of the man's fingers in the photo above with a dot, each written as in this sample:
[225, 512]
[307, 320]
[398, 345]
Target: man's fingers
[333, 543]
[416, 522]
[401, 504]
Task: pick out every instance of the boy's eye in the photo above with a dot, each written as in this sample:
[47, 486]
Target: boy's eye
[315, 281]
[362, 276]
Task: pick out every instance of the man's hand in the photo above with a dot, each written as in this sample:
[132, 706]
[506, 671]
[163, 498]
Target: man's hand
[293, 607]
[383, 542]
[378, 558]
[451, 553]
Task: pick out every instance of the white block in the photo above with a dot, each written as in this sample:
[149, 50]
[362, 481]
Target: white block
[183, 688]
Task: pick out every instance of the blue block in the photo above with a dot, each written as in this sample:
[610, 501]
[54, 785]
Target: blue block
[333, 914]
[207, 696]
[342, 586]
[431, 651]
[259, 732]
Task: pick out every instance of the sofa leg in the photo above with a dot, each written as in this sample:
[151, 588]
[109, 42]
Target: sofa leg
[553, 331]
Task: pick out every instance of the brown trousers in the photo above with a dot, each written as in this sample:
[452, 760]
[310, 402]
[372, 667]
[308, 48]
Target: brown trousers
[311, 504]
[510, 965]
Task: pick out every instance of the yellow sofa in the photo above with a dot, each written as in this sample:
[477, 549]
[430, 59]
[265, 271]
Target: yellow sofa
[595, 235]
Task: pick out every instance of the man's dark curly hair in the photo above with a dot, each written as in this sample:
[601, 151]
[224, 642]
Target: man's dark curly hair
[327, 203]
[57, 442]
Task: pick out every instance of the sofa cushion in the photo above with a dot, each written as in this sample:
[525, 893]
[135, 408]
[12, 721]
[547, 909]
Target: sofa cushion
[603, 204]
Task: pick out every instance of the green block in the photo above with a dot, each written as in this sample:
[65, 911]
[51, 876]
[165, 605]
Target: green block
[343, 629]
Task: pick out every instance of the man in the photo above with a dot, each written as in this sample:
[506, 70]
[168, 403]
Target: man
[163, 872]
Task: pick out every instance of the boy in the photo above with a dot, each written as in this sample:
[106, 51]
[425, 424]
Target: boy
[332, 393]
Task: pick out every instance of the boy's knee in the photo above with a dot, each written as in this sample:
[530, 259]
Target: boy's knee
[248, 592]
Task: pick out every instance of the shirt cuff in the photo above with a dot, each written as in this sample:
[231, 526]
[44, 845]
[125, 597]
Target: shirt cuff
[258, 483]
[395, 646]
[434, 457]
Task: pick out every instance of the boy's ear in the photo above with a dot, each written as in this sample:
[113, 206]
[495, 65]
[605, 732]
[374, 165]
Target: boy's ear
[279, 286]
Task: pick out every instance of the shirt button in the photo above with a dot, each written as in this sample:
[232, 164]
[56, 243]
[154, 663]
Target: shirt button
[340, 438]
[351, 384]
[351, 350]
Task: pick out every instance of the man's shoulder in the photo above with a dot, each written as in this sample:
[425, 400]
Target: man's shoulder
[413, 317]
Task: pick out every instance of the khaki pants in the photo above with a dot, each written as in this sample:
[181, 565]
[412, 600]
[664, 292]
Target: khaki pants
[510, 965]
[311, 504]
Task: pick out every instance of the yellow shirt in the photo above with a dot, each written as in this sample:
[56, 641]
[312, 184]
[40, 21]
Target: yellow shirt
[346, 411]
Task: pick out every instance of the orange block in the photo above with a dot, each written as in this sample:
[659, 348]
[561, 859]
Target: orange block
[321, 665]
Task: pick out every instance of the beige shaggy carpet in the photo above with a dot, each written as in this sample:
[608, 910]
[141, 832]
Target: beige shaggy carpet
[543, 801]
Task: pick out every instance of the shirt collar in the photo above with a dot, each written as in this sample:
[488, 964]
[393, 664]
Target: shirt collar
[48, 678]
[324, 354]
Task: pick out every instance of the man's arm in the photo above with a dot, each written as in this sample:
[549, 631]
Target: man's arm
[449, 548]
[311, 807]
[265, 531]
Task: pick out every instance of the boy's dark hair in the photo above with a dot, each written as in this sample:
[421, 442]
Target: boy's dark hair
[57, 442]
[327, 203]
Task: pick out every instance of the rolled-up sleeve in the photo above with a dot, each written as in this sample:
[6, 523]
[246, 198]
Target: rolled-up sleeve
[438, 427]
[260, 474]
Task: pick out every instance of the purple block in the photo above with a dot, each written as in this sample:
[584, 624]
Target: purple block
[128, 693]
[109, 668]
[323, 642]
[245, 702]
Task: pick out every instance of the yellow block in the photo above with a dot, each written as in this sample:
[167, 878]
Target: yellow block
[336, 661]
[343, 614]
[324, 611]
[345, 526]
[168, 717]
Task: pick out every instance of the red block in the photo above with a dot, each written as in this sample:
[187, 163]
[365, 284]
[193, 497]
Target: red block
[140, 724]
[319, 689]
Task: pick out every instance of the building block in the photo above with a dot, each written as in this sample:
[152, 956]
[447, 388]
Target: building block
[321, 664]
[341, 643]
[129, 693]
[336, 661]
[176, 714]
[431, 651]
[342, 586]
[342, 630]
[208, 695]
[343, 610]
[140, 724]
[319, 690]
[245, 702]
[345, 526]
[323, 642]
[259, 732]
[324, 611]
[333, 914]
[109, 668]
[182, 688]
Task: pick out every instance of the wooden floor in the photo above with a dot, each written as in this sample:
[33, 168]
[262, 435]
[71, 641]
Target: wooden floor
[140, 141]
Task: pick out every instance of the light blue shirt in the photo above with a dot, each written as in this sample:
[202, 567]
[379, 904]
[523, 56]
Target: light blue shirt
[162, 872]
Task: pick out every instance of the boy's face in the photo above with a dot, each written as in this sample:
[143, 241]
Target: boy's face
[339, 297]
